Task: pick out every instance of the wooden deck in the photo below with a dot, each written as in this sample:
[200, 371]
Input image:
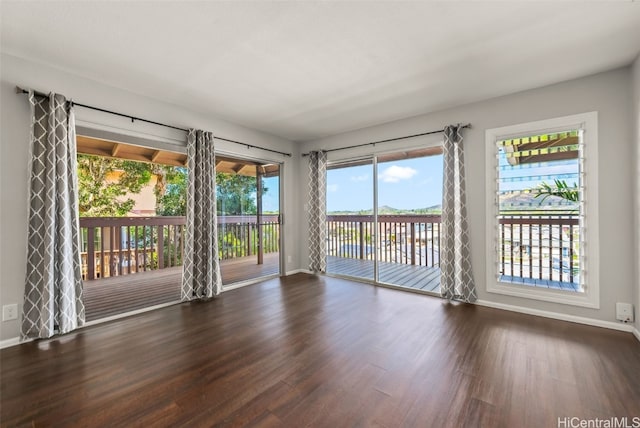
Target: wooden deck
[421, 277]
[121, 294]
[410, 276]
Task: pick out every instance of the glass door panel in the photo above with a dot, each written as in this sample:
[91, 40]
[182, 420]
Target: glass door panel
[409, 210]
[350, 220]
[248, 206]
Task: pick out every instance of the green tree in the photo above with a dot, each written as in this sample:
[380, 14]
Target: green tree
[561, 190]
[99, 198]
[236, 194]
[171, 194]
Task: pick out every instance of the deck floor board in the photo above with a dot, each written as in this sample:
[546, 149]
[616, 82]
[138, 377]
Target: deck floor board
[121, 294]
[409, 276]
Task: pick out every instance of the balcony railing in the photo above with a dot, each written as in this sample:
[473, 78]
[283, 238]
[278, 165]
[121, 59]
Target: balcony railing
[532, 249]
[539, 248]
[413, 239]
[115, 246]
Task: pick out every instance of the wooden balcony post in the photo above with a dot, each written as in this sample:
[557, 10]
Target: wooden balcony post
[175, 245]
[91, 255]
[144, 249]
[119, 246]
[136, 250]
[160, 248]
[259, 215]
[128, 250]
[360, 231]
[413, 243]
[102, 258]
[112, 256]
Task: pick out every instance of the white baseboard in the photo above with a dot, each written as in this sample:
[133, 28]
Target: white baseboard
[636, 333]
[128, 314]
[252, 281]
[7, 343]
[16, 340]
[563, 317]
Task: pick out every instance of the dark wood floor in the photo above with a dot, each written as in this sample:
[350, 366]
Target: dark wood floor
[245, 268]
[121, 294]
[319, 351]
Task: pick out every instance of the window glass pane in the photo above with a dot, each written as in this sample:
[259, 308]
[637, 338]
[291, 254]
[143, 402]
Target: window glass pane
[409, 211]
[248, 200]
[540, 203]
[350, 226]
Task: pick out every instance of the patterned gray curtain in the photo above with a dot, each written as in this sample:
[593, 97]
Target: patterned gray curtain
[53, 285]
[201, 277]
[317, 211]
[457, 280]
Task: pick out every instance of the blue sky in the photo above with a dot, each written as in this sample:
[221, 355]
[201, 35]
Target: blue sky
[271, 198]
[405, 184]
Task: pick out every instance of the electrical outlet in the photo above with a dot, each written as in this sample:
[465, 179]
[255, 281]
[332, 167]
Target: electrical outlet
[288, 259]
[10, 312]
[624, 312]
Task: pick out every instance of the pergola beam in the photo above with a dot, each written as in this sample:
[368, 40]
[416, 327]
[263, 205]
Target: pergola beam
[155, 155]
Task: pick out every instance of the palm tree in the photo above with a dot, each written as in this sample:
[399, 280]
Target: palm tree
[561, 190]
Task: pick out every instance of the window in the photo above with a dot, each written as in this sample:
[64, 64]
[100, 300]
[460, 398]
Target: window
[542, 193]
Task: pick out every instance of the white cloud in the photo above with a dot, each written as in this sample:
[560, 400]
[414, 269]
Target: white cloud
[363, 177]
[332, 187]
[395, 173]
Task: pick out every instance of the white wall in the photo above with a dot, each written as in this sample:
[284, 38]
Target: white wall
[14, 117]
[609, 94]
[635, 70]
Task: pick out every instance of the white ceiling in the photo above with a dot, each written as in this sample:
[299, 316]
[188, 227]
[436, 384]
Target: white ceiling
[303, 70]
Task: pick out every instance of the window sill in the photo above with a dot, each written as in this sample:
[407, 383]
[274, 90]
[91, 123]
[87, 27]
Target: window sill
[565, 297]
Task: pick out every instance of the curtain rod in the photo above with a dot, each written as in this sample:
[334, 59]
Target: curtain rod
[20, 90]
[373, 143]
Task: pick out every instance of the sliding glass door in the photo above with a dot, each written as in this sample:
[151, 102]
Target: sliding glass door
[248, 205]
[383, 218]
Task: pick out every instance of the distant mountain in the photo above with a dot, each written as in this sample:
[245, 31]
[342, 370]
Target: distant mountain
[508, 202]
[387, 210]
[529, 202]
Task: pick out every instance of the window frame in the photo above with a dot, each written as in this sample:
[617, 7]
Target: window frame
[590, 297]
